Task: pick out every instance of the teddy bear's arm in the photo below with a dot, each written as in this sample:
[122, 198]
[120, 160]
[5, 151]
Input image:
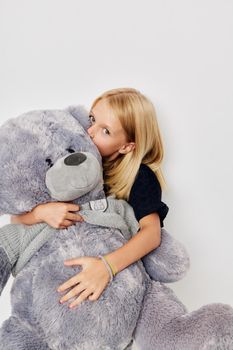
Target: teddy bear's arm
[167, 263]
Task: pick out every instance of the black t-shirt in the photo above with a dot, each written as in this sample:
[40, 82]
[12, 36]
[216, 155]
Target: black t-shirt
[145, 195]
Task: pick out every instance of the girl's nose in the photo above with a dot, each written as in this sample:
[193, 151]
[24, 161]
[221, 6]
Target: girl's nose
[90, 132]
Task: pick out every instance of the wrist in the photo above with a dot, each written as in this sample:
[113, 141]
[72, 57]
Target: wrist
[111, 265]
[36, 214]
[107, 266]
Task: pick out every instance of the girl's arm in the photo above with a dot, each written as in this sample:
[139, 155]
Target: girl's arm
[146, 240]
[55, 214]
[94, 277]
[26, 219]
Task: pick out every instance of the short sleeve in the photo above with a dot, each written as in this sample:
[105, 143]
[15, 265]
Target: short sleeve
[145, 195]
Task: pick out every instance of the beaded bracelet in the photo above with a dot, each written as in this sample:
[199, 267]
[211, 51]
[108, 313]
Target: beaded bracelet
[107, 266]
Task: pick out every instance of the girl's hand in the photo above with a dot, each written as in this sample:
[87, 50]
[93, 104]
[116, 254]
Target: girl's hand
[89, 283]
[57, 214]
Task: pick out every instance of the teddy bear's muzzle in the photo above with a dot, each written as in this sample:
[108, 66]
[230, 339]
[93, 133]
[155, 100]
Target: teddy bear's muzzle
[74, 175]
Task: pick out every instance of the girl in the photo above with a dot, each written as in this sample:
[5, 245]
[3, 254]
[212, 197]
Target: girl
[124, 127]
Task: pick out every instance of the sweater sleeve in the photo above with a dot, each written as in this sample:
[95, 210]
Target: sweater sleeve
[10, 241]
[145, 195]
[9, 251]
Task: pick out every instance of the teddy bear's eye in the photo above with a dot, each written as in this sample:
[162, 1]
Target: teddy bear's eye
[49, 162]
[70, 150]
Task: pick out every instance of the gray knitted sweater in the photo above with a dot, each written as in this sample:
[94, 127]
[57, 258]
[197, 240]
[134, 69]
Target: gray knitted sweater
[20, 242]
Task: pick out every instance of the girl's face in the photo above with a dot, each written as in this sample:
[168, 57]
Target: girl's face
[107, 133]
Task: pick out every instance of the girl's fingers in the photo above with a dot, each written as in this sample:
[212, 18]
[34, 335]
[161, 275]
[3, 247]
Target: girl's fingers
[74, 217]
[66, 223]
[72, 207]
[72, 293]
[94, 296]
[83, 296]
[75, 261]
[70, 283]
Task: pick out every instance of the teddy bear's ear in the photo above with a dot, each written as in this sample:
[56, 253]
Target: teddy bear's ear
[80, 113]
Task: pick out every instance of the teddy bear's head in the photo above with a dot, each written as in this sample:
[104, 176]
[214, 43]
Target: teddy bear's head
[47, 155]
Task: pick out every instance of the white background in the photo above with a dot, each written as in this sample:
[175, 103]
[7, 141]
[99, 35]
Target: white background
[179, 53]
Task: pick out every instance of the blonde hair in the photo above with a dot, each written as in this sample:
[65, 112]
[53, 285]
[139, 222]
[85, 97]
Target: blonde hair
[138, 118]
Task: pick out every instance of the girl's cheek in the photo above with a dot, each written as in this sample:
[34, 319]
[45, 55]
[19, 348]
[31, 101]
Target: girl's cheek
[99, 146]
[104, 151]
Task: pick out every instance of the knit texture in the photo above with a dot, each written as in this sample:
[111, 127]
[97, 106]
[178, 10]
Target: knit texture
[20, 242]
[5, 269]
[10, 241]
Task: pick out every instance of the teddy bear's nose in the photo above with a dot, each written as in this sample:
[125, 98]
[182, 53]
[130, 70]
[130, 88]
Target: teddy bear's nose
[75, 159]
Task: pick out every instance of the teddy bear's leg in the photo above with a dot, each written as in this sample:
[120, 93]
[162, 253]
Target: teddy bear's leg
[169, 262]
[164, 324]
[15, 335]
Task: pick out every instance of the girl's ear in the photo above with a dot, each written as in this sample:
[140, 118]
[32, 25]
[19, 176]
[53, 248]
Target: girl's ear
[128, 147]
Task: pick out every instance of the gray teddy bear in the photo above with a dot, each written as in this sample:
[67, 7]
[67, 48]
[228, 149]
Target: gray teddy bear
[48, 156]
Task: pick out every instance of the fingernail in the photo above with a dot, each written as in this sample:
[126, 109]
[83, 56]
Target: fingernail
[61, 301]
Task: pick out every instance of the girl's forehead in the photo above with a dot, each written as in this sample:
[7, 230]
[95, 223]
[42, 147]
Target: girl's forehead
[103, 108]
[104, 115]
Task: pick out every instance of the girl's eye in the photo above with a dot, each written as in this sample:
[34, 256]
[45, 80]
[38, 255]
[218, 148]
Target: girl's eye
[106, 131]
[92, 118]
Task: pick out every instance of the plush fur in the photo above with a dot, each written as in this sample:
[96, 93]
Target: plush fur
[47, 155]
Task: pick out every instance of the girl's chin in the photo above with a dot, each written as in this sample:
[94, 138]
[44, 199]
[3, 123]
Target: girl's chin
[111, 157]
